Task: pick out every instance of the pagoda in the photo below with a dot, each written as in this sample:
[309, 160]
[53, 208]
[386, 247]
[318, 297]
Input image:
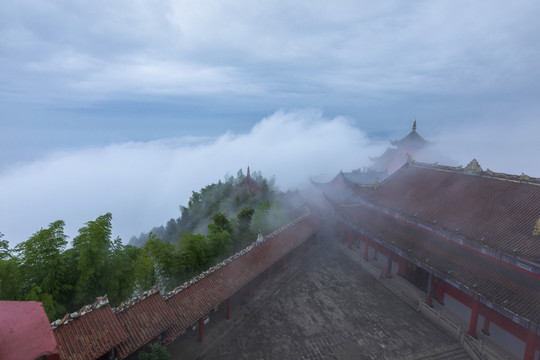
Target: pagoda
[249, 184]
[393, 158]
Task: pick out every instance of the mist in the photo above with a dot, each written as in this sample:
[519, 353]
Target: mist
[143, 183]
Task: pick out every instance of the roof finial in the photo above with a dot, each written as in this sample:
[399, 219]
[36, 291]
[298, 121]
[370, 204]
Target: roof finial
[414, 125]
[248, 171]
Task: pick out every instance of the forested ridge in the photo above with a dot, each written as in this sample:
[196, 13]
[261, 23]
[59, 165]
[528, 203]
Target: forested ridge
[220, 219]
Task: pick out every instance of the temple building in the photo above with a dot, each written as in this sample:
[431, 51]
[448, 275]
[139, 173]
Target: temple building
[469, 238]
[384, 165]
[393, 158]
[249, 185]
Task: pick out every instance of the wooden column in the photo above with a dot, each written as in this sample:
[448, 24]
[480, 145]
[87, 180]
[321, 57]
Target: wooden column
[474, 317]
[530, 345]
[389, 265]
[366, 248]
[439, 294]
[201, 332]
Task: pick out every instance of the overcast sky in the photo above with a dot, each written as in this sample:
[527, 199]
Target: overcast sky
[126, 106]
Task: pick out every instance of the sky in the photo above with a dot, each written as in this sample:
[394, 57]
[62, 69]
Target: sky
[128, 106]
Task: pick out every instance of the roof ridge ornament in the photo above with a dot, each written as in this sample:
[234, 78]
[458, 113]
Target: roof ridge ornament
[414, 125]
[473, 168]
[410, 160]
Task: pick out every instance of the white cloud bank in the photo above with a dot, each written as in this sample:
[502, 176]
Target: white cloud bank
[142, 184]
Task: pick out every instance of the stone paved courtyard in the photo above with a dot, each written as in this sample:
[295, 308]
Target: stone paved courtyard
[323, 306]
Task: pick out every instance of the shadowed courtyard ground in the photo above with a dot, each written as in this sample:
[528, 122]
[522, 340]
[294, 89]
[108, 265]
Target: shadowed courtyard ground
[322, 306]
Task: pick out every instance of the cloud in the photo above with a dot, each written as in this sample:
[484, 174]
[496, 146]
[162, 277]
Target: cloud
[361, 48]
[509, 147]
[143, 183]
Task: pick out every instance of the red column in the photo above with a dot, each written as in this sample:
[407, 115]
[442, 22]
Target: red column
[228, 308]
[250, 290]
[474, 318]
[201, 325]
[402, 264]
[366, 248]
[530, 347]
[389, 265]
[440, 290]
[349, 241]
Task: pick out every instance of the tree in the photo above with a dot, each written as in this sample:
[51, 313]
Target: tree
[260, 218]
[196, 252]
[155, 351]
[93, 245]
[10, 275]
[244, 221]
[159, 264]
[121, 271]
[43, 268]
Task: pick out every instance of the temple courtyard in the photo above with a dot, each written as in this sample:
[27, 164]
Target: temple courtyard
[321, 305]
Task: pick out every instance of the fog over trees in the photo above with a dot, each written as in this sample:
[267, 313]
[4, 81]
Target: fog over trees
[219, 220]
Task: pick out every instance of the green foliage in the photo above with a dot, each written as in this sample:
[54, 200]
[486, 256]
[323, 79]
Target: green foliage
[121, 271]
[155, 351]
[11, 279]
[43, 269]
[4, 248]
[196, 252]
[260, 223]
[93, 245]
[159, 265]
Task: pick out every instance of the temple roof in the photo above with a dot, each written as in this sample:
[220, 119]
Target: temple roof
[498, 212]
[25, 332]
[143, 321]
[412, 141]
[249, 184]
[507, 290]
[195, 301]
[92, 333]
[393, 158]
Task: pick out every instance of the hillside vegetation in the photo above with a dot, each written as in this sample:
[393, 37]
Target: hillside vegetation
[220, 219]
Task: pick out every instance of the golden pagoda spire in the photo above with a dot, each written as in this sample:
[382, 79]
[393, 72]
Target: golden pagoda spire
[248, 171]
[414, 125]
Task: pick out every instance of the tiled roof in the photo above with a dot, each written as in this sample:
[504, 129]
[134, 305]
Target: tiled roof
[197, 300]
[144, 321]
[90, 335]
[505, 289]
[25, 332]
[496, 211]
